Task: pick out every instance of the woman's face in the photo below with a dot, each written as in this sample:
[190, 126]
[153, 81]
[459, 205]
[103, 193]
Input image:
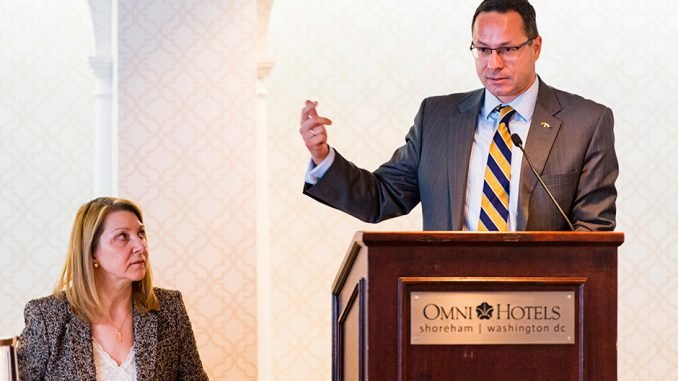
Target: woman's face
[122, 249]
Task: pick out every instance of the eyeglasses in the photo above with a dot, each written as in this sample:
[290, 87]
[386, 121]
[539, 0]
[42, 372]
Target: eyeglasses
[508, 52]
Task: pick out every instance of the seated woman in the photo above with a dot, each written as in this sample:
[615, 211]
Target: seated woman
[105, 320]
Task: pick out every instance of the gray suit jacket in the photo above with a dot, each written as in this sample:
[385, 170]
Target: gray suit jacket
[575, 157]
[57, 344]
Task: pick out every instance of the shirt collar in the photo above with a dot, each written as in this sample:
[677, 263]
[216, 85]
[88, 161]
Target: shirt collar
[523, 104]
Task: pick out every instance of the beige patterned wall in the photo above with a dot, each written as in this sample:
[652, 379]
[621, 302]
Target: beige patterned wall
[187, 113]
[46, 151]
[187, 137]
[369, 64]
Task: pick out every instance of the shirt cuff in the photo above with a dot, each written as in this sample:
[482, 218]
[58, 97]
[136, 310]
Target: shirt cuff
[315, 172]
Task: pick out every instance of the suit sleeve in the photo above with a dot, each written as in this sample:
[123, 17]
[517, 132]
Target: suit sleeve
[594, 205]
[191, 367]
[390, 191]
[32, 347]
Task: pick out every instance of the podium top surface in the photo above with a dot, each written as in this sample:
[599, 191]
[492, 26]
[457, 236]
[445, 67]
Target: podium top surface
[449, 237]
[402, 240]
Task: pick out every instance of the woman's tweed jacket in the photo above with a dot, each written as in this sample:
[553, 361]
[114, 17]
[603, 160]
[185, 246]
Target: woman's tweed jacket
[57, 344]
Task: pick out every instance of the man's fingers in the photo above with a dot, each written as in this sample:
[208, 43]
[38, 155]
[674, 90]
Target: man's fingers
[312, 105]
[316, 121]
[315, 125]
[316, 130]
[313, 131]
[315, 141]
[309, 110]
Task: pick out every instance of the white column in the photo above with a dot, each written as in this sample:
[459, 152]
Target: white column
[264, 358]
[264, 65]
[104, 66]
[104, 166]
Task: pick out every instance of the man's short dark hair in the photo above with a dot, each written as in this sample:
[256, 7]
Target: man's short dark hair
[522, 7]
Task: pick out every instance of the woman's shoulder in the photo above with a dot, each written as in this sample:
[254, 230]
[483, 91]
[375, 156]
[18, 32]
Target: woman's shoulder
[166, 294]
[168, 299]
[55, 303]
[52, 311]
[172, 307]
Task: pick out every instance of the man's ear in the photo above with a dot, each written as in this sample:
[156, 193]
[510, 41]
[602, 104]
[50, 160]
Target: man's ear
[536, 47]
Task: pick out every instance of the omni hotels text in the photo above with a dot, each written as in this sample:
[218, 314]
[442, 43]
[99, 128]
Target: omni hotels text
[507, 318]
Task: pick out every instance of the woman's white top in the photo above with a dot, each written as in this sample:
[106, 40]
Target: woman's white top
[108, 369]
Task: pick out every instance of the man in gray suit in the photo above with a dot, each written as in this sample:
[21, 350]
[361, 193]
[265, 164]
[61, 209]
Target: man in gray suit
[445, 161]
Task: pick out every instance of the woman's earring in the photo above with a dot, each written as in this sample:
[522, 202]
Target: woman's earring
[96, 265]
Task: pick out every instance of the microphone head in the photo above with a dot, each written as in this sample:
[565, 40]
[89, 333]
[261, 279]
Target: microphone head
[516, 139]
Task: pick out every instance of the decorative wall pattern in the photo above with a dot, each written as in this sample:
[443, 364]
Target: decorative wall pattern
[187, 114]
[187, 85]
[369, 64]
[46, 152]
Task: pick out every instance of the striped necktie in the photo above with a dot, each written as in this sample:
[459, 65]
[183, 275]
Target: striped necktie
[494, 205]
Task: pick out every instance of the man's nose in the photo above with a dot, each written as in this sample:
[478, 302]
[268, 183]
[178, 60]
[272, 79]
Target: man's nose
[495, 61]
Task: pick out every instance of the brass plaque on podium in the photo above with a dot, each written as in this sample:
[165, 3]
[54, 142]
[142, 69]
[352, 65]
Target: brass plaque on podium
[449, 318]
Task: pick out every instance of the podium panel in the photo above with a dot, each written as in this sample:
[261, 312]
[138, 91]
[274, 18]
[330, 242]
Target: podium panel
[492, 307]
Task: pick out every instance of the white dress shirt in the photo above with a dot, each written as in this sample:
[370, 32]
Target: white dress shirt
[482, 139]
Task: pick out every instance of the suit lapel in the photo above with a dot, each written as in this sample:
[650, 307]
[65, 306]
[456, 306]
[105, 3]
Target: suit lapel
[540, 138]
[462, 127]
[80, 338]
[145, 343]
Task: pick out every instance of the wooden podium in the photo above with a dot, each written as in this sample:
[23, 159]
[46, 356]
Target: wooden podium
[372, 306]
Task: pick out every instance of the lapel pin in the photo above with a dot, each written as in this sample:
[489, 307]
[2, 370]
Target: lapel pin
[545, 125]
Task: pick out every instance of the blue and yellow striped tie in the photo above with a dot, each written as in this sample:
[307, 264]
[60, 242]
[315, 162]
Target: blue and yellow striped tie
[494, 205]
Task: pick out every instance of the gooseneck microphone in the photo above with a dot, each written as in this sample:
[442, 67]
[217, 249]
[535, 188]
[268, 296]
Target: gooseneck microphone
[519, 143]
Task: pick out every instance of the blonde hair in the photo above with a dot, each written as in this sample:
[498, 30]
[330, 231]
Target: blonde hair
[77, 277]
